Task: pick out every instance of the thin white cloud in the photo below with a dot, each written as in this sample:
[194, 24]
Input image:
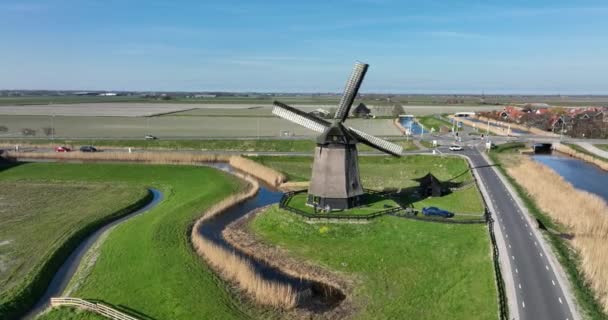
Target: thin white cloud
[455, 34]
[22, 7]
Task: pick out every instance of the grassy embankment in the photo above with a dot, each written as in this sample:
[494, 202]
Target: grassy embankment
[602, 146]
[379, 173]
[579, 152]
[147, 264]
[431, 122]
[42, 221]
[542, 198]
[264, 145]
[403, 269]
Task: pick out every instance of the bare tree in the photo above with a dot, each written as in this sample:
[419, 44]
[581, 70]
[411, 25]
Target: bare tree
[48, 131]
[28, 132]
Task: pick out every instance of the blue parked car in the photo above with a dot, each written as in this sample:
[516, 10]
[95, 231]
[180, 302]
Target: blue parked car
[436, 212]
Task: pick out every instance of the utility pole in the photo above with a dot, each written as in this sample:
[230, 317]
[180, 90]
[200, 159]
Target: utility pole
[421, 131]
[53, 127]
[488, 130]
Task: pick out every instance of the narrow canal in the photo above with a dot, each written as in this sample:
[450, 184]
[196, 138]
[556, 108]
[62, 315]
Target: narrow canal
[581, 175]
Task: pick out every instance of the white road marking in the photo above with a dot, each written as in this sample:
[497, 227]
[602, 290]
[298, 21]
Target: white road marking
[509, 246]
[553, 282]
[516, 271]
[560, 300]
[513, 257]
[541, 254]
[523, 304]
[530, 233]
[547, 267]
[520, 285]
[506, 235]
[535, 243]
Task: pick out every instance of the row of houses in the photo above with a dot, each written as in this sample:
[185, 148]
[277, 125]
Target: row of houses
[590, 122]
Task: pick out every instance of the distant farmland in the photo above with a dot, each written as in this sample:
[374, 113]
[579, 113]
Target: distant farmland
[170, 127]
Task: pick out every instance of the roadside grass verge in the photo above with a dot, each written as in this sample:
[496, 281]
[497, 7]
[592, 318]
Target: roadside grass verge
[42, 221]
[602, 146]
[402, 268]
[568, 258]
[147, 263]
[232, 145]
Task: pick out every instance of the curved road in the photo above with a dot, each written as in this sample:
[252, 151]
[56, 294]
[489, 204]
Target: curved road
[63, 276]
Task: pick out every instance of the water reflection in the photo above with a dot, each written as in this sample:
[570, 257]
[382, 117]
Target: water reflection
[580, 174]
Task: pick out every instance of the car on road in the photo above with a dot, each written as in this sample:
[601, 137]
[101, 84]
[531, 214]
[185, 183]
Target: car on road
[436, 212]
[88, 149]
[455, 148]
[62, 149]
[150, 137]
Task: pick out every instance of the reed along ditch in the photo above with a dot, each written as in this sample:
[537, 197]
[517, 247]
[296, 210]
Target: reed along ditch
[322, 297]
[581, 175]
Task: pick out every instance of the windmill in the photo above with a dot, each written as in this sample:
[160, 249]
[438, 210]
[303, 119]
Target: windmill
[335, 182]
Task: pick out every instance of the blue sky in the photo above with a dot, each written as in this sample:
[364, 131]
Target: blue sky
[455, 46]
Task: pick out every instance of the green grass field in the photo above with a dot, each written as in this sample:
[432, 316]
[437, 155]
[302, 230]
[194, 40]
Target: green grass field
[38, 217]
[431, 122]
[398, 173]
[250, 145]
[381, 172]
[403, 269]
[147, 263]
[70, 314]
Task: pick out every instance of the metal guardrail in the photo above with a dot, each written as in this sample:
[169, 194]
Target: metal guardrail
[98, 308]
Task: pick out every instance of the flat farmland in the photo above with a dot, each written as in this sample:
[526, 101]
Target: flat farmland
[256, 110]
[94, 109]
[173, 126]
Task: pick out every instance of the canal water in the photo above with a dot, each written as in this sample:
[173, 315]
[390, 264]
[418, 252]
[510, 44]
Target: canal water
[412, 126]
[580, 174]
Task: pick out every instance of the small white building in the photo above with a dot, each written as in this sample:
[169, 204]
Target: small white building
[464, 114]
[108, 94]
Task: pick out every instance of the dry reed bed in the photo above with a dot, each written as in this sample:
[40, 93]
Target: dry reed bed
[241, 237]
[149, 157]
[268, 175]
[235, 269]
[582, 156]
[584, 214]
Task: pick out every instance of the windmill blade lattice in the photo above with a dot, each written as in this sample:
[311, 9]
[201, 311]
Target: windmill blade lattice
[299, 117]
[350, 91]
[377, 143]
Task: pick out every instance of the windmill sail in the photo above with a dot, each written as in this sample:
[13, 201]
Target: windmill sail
[351, 90]
[302, 118]
[377, 143]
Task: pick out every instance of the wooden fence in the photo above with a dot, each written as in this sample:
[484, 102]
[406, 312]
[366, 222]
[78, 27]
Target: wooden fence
[98, 308]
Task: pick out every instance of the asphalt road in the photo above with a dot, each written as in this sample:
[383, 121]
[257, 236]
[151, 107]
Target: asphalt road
[539, 293]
